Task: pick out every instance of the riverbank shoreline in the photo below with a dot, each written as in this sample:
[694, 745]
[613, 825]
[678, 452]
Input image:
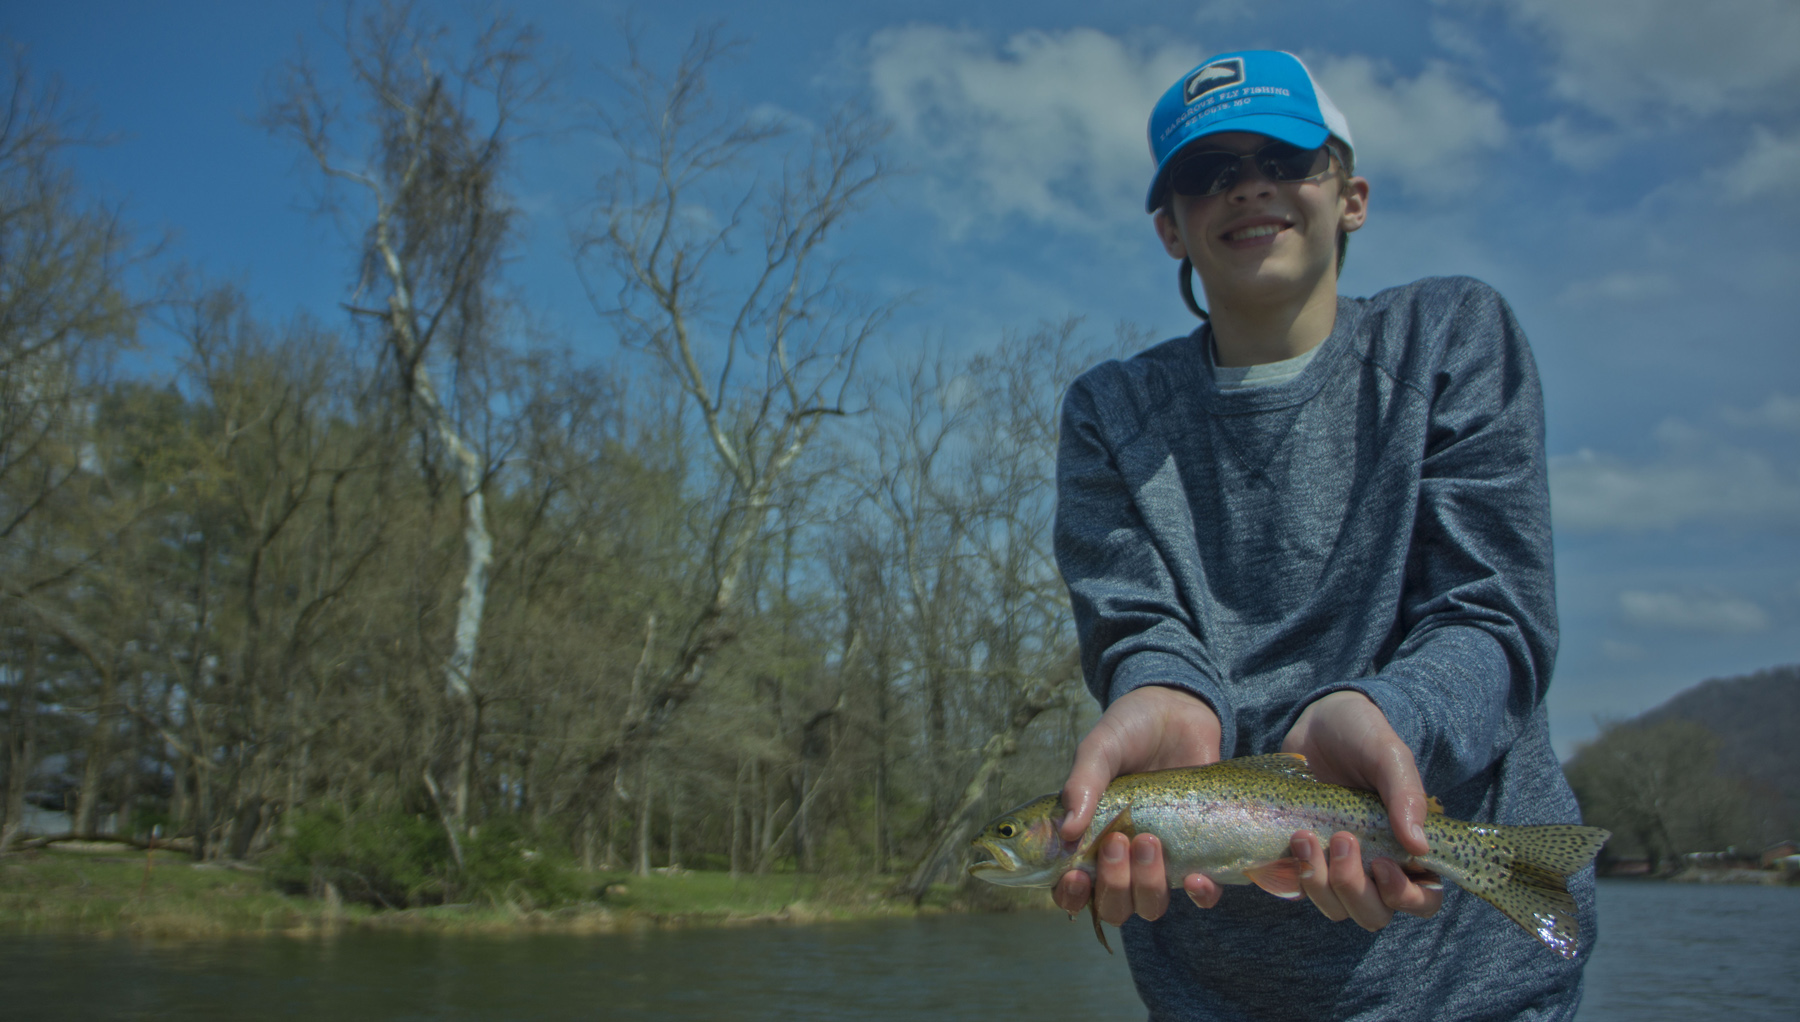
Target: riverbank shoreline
[1763, 877]
[1768, 877]
[164, 895]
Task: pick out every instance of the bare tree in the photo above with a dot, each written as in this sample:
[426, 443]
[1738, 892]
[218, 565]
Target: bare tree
[63, 311]
[427, 161]
[729, 286]
[973, 478]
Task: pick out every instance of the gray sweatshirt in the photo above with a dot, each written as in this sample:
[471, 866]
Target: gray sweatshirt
[1378, 523]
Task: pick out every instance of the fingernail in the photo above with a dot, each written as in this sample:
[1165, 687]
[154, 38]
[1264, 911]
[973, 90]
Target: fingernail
[1418, 833]
[1144, 854]
[1340, 848]
[1113, 852]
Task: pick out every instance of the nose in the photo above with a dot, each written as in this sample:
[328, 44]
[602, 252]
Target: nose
[1251, 183]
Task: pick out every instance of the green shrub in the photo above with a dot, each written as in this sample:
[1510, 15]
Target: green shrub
[506, 861]
[396, 859]
[391, 859]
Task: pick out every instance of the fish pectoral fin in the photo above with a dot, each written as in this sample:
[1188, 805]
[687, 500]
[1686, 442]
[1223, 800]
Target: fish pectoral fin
[1099, 934]
[1121, 824]
[1281, 877]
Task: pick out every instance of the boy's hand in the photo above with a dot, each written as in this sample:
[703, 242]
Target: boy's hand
[1150, 728]
[1348, 741]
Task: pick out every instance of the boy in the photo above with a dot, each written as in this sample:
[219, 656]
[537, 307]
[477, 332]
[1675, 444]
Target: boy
[1316, 525]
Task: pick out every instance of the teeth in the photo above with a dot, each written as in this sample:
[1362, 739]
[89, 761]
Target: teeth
[1255, 232]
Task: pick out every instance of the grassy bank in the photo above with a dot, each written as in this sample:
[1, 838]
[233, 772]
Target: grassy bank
[107, 893]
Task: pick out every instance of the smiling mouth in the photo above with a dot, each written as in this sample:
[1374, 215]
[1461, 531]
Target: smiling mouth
[1258, 231]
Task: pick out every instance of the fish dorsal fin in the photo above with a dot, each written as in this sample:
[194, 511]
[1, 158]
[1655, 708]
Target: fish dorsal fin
[1433, 807]
[1288, 764]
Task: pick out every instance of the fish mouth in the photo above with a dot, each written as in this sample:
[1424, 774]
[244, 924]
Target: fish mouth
[999, 859]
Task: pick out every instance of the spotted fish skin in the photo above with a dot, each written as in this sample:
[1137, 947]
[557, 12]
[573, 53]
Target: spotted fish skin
[1234, 820]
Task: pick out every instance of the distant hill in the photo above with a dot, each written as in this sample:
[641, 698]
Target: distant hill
[1757, 716]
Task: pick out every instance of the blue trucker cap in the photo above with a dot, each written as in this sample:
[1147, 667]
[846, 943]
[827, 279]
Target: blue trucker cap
[1268, 92]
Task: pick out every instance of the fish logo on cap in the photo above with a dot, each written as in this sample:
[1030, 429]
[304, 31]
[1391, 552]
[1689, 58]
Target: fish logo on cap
[1213, 76]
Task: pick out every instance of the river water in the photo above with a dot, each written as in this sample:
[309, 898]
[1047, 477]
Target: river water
[1667, 952]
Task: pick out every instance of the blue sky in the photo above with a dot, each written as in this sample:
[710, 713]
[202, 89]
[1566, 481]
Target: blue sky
[1626, 172]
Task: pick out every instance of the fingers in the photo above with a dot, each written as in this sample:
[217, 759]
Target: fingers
[1341, 888]
[1401, 894]
[1355, 889]
[1112, 879]
[1149, 880]
[1130, 879]
[1201, 890]
[1317, 883]
[1072, 892]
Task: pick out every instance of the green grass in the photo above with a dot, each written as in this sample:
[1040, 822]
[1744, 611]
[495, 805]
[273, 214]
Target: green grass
[107, 893]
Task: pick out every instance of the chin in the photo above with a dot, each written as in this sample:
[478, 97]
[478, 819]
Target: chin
[1262, 285]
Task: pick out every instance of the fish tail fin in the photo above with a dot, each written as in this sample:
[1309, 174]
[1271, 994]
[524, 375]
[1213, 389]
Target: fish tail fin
[1523, 872]
[1560, 848]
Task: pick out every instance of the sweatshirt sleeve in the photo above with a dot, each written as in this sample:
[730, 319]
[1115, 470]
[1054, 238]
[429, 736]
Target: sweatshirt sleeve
[1476, 638]
[1135, 628]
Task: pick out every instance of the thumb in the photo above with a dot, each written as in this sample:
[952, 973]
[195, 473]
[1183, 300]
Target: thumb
[1403, 793]
[1096, 764]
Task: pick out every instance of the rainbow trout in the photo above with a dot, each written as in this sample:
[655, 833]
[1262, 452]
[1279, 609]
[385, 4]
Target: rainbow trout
[1233, 821]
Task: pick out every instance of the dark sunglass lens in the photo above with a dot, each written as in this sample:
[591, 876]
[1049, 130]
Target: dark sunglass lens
[1204, 173]
[1282, 162]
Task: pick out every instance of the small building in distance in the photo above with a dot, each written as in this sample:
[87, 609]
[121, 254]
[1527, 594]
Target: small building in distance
[1771, 856]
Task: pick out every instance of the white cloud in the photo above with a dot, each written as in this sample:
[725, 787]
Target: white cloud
[1766, 169]
[1458, 39]
[1579, 145]
[1427, 132]
[1779, 412]
[1051, 126]
[1665, 60]
[1618, 286]
[1624, 652]
[1222, 11]
[1590, 491]
[1704, 612]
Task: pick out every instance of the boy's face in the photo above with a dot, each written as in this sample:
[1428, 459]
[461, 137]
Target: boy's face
[1260, 244]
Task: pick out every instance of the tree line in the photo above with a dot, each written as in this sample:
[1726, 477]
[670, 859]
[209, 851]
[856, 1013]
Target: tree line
[769, 590]
[1665, 785]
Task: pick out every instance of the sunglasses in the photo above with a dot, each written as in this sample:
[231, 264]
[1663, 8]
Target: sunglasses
[1215, 170]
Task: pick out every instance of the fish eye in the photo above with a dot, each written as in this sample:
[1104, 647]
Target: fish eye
[1008, 830]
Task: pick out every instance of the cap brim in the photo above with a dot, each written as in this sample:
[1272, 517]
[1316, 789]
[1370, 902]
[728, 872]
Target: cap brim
[1292, 130]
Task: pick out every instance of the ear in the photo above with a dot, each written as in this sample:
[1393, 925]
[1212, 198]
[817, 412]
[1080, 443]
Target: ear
[1354, 199]
[1170, 234]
